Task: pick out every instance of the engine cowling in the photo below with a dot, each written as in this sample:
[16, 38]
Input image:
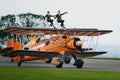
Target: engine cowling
[77, 43]
[74, 43]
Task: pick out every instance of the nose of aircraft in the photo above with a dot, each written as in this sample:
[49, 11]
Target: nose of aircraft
[79, 43]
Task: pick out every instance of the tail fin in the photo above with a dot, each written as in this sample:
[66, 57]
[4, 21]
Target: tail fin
[9, 48]
[10, 43]
[17, 46]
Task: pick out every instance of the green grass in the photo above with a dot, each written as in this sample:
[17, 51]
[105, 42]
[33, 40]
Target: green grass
[18, 73]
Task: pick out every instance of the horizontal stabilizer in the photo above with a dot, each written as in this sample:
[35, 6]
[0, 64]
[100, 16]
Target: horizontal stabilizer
[5, 51]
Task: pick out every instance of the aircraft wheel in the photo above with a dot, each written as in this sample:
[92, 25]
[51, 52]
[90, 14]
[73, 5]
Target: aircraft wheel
[12, 60]
[67, 60]
[79, 63]
[49, 60]
[19, 63]
[58, 63]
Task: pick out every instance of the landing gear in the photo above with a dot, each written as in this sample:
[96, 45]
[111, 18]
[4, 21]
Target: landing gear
[19, 63]
[49, 60]
[67, 59]
[12, 60]
[58, 63]
[78, 62]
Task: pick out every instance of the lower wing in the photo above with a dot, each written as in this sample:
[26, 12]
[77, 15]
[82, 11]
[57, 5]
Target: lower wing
[91, 53]
[33, 53]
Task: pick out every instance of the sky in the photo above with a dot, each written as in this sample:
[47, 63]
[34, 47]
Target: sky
[101, 14]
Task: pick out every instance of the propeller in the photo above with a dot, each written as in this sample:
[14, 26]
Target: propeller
[78, 44]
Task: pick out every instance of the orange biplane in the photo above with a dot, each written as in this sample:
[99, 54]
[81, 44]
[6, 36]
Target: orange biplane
[47, 43]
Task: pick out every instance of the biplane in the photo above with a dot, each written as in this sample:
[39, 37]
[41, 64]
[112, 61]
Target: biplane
[47, 43]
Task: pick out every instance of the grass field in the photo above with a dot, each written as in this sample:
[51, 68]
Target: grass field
[18, 73]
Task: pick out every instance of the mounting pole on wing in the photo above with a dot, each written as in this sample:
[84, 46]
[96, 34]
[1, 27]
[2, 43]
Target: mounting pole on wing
[54, 26]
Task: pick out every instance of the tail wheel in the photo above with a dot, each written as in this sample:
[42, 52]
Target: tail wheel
[19, 63]
[58, 63]
[67, 60]
[49, 60]
[79, 63]
[12, 60]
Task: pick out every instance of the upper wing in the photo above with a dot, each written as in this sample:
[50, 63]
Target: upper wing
[45, 31]
[33, 53]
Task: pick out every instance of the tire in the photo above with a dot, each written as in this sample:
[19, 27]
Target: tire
[67, 60]
[60, 64]
[49, 61]
[12, 60]
[19, 63]
[79, 63]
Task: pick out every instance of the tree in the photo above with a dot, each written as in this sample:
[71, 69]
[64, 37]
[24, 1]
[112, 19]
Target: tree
[21, 20]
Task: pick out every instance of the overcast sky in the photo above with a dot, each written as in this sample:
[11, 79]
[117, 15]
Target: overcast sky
[101, 14]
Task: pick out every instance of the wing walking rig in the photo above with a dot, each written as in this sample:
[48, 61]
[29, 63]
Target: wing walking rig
[46, 43]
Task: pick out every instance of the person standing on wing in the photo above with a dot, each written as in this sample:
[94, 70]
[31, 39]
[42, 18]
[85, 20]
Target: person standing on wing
[48, 16]
[59, 19]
